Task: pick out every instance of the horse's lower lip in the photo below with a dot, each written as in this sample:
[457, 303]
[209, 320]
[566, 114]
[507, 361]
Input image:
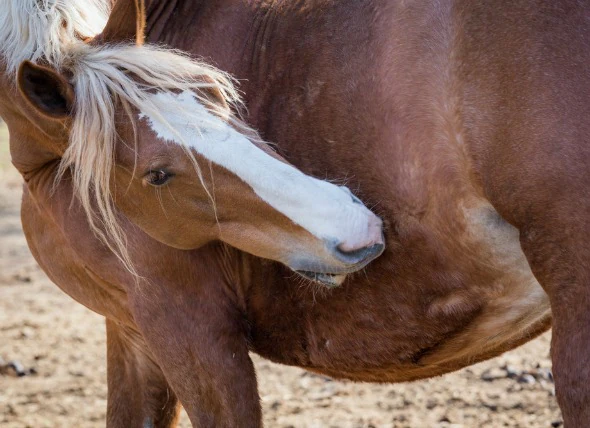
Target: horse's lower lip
[327, 279]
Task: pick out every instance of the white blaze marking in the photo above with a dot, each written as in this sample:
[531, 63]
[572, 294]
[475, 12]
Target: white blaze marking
[323, 209]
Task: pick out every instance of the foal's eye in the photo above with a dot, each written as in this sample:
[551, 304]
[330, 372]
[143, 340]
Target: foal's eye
[158, 177]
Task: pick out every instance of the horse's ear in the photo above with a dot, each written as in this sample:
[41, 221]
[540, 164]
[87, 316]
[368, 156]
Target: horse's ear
[214, 94]
[46, 90]
[126, 23]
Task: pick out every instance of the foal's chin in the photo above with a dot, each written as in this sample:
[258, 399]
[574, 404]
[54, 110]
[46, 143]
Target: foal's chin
[343, 263]
[329, 280]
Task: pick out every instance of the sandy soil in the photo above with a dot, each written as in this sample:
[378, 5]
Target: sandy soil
[63, 344]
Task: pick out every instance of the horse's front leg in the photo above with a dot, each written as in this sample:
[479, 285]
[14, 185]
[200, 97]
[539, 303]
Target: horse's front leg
[559, 255]
[139, 396]
[197, 336]
[546, 196]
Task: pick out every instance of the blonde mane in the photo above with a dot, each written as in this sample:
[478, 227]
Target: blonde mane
[39, 29]
[105, 77]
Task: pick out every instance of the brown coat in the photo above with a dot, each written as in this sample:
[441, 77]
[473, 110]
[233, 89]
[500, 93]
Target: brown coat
[462, 123]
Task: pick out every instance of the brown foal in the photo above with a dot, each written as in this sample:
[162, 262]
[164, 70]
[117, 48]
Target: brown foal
[463, 123]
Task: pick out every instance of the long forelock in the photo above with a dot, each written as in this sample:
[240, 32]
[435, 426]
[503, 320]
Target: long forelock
[108, 77]
[40, 29]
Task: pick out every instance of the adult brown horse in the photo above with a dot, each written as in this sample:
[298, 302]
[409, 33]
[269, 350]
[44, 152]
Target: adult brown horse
[462, 122]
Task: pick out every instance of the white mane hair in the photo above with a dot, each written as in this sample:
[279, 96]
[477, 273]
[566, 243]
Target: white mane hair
[39, 29]
[105, 77]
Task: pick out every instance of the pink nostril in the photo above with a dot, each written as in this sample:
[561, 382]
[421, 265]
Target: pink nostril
[364, 248]
[373, 235]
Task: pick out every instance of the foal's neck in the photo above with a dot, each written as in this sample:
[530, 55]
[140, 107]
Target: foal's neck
[33, 147]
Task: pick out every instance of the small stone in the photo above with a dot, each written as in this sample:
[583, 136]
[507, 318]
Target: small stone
[27, 332]
[491, 406]
[493, 374]
[13, 368]
[22, 278]
[511, 372]
[527, 379]
[543, 373]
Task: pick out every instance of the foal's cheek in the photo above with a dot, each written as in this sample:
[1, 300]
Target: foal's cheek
[182, 222]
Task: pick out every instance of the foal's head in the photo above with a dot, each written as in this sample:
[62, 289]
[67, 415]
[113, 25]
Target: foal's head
[150, 133]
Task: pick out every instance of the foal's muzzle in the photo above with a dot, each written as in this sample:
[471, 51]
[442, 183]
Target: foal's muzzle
[349, 262]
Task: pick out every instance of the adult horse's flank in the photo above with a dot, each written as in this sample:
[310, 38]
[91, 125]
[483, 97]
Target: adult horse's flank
[464, 123]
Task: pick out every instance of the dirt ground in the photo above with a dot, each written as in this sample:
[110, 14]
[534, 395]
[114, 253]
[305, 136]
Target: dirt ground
[61, 347]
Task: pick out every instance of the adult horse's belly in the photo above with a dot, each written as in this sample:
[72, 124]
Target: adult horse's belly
[471, 298]
[516, 308]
